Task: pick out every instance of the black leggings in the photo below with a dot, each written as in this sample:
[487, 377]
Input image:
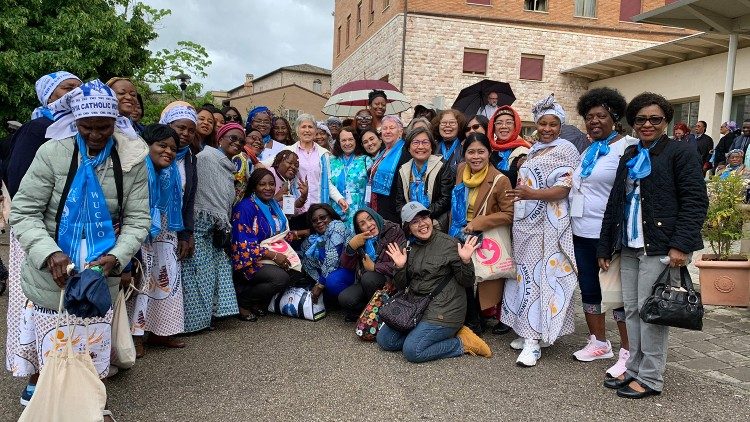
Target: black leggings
[268, 281]
[355, 297]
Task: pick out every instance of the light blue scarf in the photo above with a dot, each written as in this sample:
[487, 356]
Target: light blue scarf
[317, 246]
[324, 177]
[459, 207]
[640, 165]
[86, 210]
[181, 153]
[448, 153]
[504, 163]
[598, 148]
[269, 210]
[164, 196]
[417, 185]
[370, 248]
[382, 180]
[341, 179]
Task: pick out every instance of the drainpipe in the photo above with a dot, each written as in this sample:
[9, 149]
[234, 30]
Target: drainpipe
[729, 82]
[403, 45]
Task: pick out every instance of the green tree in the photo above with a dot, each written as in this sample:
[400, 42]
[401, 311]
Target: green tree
[91, 38]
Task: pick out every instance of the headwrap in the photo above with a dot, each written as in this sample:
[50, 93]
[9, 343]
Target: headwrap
[86, 216]
[179, 112]
[731, 125]
[116, 79]
[92, 99]
[333, 121]
[504, 149]
[226, 128]
[548, 106]
[172, 105]
[598, 148]
[369, 246]
[385, 168]
[251, 115]
[322, 126]
[45, 86]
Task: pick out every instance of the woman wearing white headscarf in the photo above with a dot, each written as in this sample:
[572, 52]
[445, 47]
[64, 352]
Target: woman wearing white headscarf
[537, 305]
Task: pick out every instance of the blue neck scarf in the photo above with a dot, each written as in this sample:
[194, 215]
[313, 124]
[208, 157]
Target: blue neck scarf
[370, 248]
[598, 148]
[346, 162]
[459, 207]
[317, 247]
[728, 171]
[181, 153]
[87, 213]
[417, 186]
[324, 178]
[42, 111]
[382, 180]
[267, 139]
[448, 153]
[164, 196]
[269, 210]
[504, 163]
[640, 165]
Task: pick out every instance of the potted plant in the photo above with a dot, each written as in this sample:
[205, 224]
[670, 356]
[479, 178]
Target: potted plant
[725, 276]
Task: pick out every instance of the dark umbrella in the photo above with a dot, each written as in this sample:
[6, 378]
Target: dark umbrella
[471, 98]
[87, 294]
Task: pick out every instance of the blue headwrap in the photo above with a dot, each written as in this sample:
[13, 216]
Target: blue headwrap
[45, 86]
[251, 115]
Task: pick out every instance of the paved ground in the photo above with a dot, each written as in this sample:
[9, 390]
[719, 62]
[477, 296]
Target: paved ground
[285, 369]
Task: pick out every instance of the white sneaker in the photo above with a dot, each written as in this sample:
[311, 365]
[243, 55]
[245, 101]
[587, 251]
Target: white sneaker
[619, 367]
[517, 344]
[530, 354]
[594, 350]
[113, 370]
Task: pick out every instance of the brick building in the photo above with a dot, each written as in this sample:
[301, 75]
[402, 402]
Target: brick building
[433, 48]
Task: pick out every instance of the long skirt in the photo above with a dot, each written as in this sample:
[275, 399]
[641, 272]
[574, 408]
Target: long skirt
[16, 301]
[207, 280]
[159, 307]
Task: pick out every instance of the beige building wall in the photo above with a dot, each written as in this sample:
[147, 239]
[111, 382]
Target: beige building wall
[285, 77]
[700, 79]
[287, 98]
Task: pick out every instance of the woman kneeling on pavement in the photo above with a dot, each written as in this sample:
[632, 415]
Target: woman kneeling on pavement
[366, 255]
[430, 257]
[256, 218]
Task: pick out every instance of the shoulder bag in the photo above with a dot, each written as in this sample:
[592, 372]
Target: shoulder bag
[405, 309]
[672, 307]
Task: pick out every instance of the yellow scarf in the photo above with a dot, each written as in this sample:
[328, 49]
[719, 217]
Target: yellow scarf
[472, 181]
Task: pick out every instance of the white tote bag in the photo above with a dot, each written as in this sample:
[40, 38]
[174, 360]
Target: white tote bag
[279, 245]
[296, 302]
[611, 285]
[69, 388]
[494, 257]
[123, 348]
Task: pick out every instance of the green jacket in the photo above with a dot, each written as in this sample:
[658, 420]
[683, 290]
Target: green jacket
[426, 265]
[34, 208]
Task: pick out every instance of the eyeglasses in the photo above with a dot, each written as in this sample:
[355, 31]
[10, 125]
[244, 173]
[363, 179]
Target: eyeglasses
[364, 118]
[601, 117]
[475, 127]
[234, 139]
[504, 123]
[232, 118]
[654, 120]
[449, 123]
[419, 219]
[421, 143]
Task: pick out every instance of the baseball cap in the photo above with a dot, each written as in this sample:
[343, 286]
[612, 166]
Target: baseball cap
[411, 210]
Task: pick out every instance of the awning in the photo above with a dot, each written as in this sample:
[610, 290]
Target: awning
[721, 16]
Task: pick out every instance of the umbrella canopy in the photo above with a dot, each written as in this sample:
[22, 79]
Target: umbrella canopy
[471, 98]
[352, 97]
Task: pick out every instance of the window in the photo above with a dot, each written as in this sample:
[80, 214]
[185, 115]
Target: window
[359, 18]
[348, 28]
[586, 8]
[317, 86]
[386, 3]
[628, 9]
[338, 43]
[535, 5]
[684, 112]
[480, 2]
[740, 108]
[475, 61]
[532, 67]
[372, 12]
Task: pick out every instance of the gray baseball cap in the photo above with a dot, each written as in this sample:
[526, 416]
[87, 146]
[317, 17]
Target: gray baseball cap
[411, 210]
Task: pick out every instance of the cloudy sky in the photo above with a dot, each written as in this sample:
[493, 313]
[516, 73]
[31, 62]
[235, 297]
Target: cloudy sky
[249, 36]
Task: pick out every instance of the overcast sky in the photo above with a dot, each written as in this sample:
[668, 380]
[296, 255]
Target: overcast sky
[249, 36]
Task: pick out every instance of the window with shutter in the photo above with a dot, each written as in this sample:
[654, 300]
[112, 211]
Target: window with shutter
[532, 67]
[475, 61]
[628, 9]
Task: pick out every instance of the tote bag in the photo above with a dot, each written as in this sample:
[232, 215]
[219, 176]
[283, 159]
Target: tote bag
[369, 323]
[296, 302]
[494, 257]
[279, 245]
[611, 286]
[69, 388]
[123, 348]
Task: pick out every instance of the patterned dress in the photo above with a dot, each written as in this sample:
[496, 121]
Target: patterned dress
[324, 259]
[16, 301]
[537, 305]
[350, 177]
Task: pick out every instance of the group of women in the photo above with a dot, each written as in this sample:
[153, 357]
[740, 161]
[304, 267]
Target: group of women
[202, 205]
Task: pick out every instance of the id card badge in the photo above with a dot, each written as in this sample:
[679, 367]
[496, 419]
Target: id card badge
[287, 204]
[576, 205]
[348, 197]
[368, 193]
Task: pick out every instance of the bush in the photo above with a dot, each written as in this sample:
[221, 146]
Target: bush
[723, 223]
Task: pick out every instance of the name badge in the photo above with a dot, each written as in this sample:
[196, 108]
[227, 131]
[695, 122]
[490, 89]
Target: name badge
[348, 197]
[368, 193]
[576, 205]
[287, 204]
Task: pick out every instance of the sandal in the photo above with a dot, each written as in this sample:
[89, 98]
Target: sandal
[249, 317]
[166, 341]
[258, 311]
[140, 350]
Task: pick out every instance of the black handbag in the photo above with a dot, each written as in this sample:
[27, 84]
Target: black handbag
[221, 238]
[405, 309]
[671, 307]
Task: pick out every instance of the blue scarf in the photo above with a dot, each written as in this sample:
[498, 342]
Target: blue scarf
[164, 196]
[341, 179]
[42, 111]
[504, 163]
[728, 171]
[267, 139]
[269, 210]
[87, 213]
[448, 153]
[382, 180]
[181, 153]
[640, 165]
[317, 246]
[598, 148]
[417, 185]
[370, 248]
[459, 206]
[324, 178]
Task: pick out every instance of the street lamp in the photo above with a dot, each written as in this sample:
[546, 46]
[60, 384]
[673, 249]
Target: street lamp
[184, 81]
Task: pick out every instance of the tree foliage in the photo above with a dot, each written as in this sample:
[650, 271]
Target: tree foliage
[723, 223]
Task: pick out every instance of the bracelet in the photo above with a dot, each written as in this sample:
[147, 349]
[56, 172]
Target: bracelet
[319, 285]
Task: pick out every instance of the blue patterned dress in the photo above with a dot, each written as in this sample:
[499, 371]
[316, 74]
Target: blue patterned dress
[349, 174]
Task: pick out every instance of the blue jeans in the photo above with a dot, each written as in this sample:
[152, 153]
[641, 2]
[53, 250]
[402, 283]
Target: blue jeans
[424, 343]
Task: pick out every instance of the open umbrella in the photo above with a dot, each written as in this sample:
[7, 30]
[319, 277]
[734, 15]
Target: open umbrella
[471, 98]
[352, 97]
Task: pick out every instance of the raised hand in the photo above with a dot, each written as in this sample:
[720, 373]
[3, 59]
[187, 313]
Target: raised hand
[397, 255]
[467, 249]
[303, 188]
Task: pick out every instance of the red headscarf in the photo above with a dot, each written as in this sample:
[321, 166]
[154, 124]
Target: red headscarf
[226, 128]
[514, 141]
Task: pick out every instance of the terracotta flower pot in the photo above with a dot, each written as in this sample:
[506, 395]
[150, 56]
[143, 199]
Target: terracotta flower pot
[724, 282]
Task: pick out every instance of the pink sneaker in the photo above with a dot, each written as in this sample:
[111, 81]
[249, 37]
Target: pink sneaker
[594, 350]
[619, 368]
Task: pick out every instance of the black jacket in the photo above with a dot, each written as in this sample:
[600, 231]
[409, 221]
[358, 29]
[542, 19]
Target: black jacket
[188, 196]
[440, 202]
[705, 144]
[673, 202]
[722, 148]
[23, 146]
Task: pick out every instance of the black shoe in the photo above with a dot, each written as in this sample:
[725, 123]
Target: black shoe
[500, 329]
[616, 384]
[477, 327]
[249, 317]
[3, 285]
[258, 311]
[629, 393]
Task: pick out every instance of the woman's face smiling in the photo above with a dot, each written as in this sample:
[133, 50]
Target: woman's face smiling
[421, 227]
[288, 167]
[266, 188]
[127, 96]
[163, 152]
[478, 156]
[280, 131]
[205, 123]
[378, 107]
[391, 132]
[185, 129]
[548, 127]
[448, 127]
[367, 224]
[347, 142]
[504, 126]
[320, 220]
[371, 142]
[420, 147]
